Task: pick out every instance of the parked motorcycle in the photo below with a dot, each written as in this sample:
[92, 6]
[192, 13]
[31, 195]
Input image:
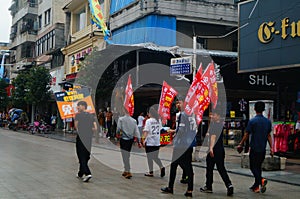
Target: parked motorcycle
[39, 127]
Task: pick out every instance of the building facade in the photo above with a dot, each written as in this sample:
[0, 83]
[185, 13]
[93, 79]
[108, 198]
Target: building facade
[50, 39]
[23, 34]
[81, 36]
[200, 18]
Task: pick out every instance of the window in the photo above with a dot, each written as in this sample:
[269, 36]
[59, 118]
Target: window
[80, 20]
[40, 22]
[47, 17]
[202, 42]
[45, 43]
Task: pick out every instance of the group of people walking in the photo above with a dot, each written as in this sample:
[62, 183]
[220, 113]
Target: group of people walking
[184, 137]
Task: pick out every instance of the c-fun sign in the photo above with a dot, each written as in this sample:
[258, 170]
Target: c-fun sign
[270, 36]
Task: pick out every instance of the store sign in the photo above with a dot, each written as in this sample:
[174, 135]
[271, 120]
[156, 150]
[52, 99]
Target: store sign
[267, 30]
[269, 35]
[76, 58]
[181, 66]
[260, 80]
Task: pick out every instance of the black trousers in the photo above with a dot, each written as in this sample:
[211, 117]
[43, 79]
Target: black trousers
[108, 126]
[152, 155]
[185, 162]
[217, 160]
[256, 160]
[125, 146]
[83, 156]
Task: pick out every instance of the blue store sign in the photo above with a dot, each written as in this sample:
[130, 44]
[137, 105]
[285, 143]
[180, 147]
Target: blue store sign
[181, 66]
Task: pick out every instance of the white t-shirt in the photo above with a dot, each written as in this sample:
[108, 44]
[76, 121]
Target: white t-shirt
[140, 121]
[153, 128]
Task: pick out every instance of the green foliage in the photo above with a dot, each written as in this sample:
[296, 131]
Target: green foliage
[38, 85]
[4, 100]
[18, 94]
[32, 87]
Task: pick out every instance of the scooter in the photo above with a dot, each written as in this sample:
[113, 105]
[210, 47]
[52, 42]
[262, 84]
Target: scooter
[13, 125]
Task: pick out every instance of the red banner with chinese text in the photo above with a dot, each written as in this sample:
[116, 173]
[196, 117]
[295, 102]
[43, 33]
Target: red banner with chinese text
[129, 99]
[209, 77]
[202, 102]
[189, 102]
[165, 138]
[166, 98]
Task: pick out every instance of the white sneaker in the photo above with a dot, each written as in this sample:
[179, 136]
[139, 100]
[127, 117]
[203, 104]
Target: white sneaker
[86, 178]
[77, 176]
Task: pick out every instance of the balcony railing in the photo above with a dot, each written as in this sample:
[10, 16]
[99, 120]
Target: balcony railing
[29, 8]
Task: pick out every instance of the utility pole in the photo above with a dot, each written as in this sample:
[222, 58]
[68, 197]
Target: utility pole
[194, 55]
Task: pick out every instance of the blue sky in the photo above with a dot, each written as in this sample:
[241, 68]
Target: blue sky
[5, 21]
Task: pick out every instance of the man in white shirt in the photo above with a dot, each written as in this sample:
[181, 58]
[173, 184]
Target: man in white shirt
[127, 129]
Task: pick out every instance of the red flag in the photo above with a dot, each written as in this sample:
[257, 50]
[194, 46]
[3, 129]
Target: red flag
[209, 77]
[189, 102]
[197, 99]
[129, 100]
[202, 102]
[165, 102]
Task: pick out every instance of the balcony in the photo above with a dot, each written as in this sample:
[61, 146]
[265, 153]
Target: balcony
[23, 38]
[28, 9]
[83, 33]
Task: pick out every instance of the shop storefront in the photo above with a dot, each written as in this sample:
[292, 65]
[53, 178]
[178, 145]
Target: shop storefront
[269, 64]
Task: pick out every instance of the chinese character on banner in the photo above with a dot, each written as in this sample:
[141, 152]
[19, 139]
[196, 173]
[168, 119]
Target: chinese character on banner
[189, 102]
[166, 98]
[197, 99]
[209, 76]
[129, 100]
[202, 102]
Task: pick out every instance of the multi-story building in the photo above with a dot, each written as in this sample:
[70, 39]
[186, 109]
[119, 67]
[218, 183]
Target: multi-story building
[23, 33]
[81, 36]
[50, 39]
[37, 32]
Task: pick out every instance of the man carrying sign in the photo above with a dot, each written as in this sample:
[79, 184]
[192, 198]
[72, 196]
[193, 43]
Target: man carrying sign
[85, 124]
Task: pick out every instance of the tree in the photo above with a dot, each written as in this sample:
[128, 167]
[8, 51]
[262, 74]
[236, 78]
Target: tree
[32, 87]
[4, 100]
[18, 94]
[38, 86]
